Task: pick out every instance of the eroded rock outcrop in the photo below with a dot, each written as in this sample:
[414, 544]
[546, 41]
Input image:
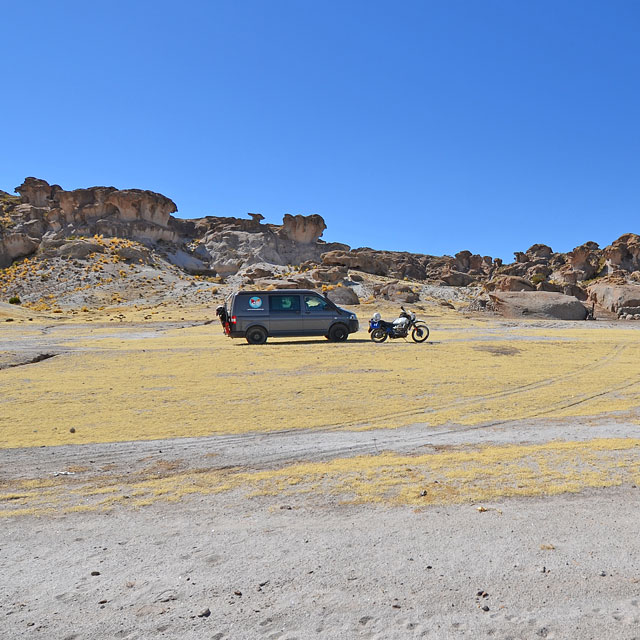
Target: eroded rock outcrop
[206, 245]
[343, 295]
[126, 213]
[60, 223]
[398, 292]
[233, 244]
[583, 263]
[400, 264]
[15, 245]
[538, 304]
[302, 229]
[615, 295]
[623, 254]
[510, 283]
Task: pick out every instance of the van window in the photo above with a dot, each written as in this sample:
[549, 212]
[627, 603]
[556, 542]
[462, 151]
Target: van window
[315, 304]
[284, 304]
[255, 303]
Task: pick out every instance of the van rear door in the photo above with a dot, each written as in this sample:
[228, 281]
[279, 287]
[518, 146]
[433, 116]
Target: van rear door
[249, 309]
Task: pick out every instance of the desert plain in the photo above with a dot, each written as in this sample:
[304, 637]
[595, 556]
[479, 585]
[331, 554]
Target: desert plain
[158, 479]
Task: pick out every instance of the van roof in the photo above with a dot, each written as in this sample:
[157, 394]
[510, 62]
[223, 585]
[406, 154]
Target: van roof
[266, 292]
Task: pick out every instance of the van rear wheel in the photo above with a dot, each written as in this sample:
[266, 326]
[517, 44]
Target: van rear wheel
[338, 333]
[256, 335]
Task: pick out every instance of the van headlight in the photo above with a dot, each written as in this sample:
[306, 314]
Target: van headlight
[352, 317]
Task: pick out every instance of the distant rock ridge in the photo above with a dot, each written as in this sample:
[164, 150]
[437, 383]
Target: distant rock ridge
[206, 245]
[44, 216]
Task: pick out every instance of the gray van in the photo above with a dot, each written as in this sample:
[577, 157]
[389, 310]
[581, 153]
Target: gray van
[256, 315]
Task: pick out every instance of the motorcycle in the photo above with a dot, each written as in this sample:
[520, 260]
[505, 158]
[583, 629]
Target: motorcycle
[399, 328]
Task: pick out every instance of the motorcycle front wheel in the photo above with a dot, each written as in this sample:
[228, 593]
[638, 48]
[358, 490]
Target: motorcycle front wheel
[420, 333]
[378, 335]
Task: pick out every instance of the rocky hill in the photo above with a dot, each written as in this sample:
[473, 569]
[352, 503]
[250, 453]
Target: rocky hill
[103, 245]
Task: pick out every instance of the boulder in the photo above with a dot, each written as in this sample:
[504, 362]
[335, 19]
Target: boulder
[539, 251]
[550, 286]
[457, 279]
[261, 270]
[576, 291]
[568, 289]
[538, 304]
[15, 245]
[343, 295]
[398, 292]
[629, 311]
[79, 249]
[466, 261]
[364, 259]
[274, 283]
[188, 262]
[133, 254]
[613, 296]
[510, 283]
[331, 275]
[302, 281]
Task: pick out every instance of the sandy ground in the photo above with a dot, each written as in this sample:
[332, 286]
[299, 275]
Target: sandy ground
[508, 512]
[560, 567]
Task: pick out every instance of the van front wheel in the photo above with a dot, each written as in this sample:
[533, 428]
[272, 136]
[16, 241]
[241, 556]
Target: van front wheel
[338, 333]
[256, 335]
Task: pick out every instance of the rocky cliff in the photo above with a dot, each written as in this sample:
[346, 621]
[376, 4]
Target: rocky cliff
[222, 246]
[49, 221]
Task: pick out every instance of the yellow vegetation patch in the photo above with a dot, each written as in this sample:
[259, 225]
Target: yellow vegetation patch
[458, 475]
[195, 382]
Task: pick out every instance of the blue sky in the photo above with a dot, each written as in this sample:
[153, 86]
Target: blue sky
[486, 125]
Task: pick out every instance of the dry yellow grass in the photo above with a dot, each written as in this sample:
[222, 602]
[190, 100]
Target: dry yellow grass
[194, 382]
[459, 475]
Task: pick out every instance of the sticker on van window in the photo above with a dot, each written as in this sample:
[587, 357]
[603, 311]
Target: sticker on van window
[255, 302]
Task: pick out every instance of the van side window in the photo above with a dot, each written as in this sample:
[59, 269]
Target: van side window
[284, 304]
[314, 304]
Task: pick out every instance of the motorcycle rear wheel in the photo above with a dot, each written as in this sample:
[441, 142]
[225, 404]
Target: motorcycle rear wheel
[378, 335]
[420, 333]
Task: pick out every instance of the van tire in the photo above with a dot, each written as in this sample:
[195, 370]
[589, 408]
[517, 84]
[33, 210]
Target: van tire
[338, 333]
[256, 335]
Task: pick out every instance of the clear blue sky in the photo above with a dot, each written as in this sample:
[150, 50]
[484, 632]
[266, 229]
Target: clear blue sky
[428, 126]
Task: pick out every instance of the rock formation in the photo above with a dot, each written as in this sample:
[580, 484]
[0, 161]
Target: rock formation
[127, 213]
[615, 296]
[15, 245]
[538, 304]
[53, 222]
[623, 254]
[205, 245]
[343, 295]
[302, 229]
